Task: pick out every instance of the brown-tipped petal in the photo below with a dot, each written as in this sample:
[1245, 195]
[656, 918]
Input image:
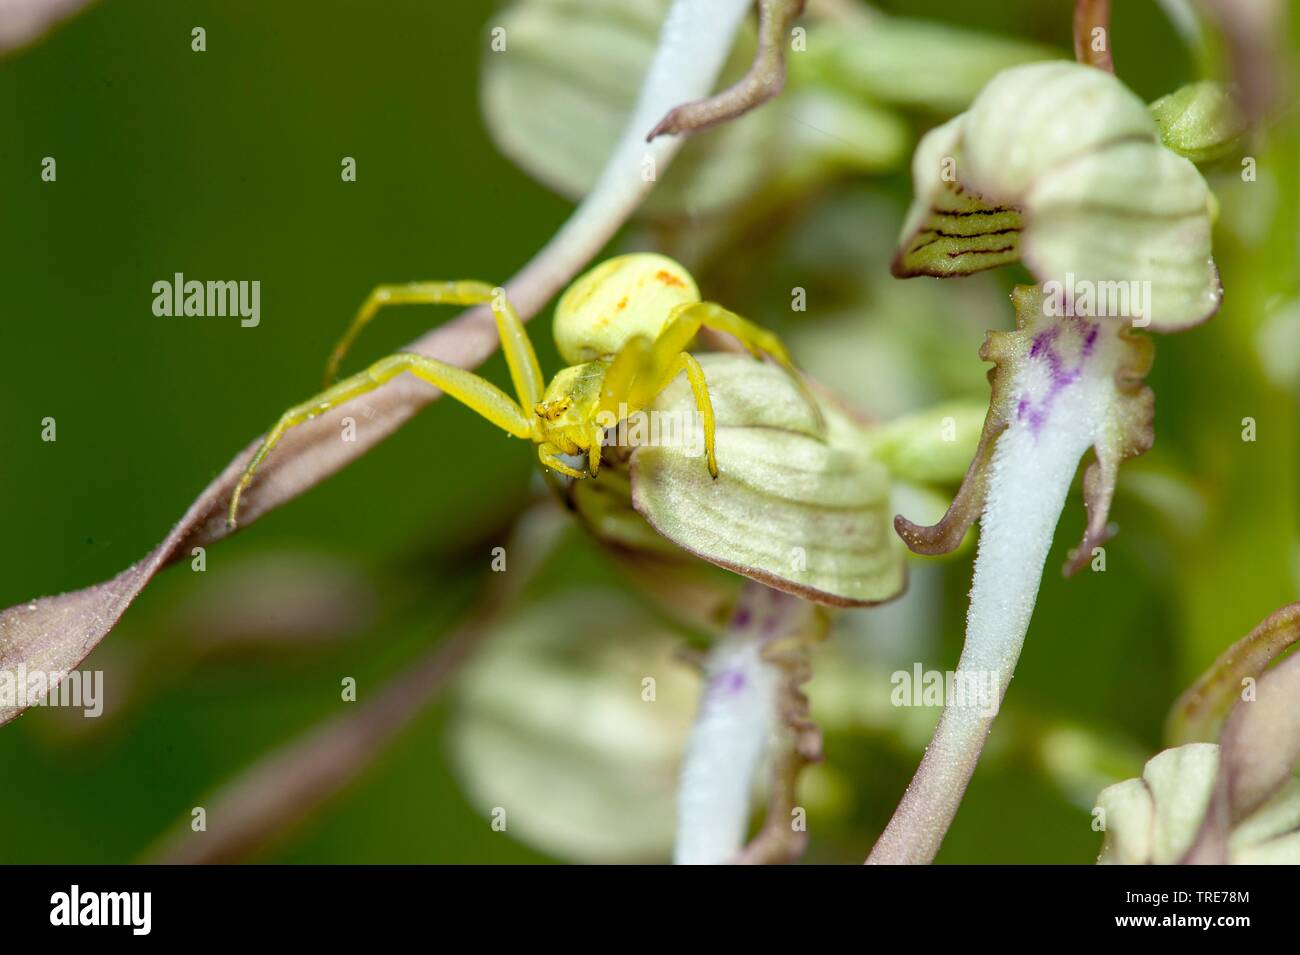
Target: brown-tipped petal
[1001, 348]
[799, 743]
[1098, 490]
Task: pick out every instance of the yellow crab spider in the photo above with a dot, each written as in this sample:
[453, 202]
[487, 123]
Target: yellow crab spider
[624, 327]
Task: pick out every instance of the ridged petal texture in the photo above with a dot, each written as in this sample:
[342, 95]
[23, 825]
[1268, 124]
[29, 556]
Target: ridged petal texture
[800, 511]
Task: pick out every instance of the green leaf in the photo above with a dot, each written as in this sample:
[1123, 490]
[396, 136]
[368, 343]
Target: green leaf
[1200, 122]
[912, 63]
[802, 513]
[932, 446]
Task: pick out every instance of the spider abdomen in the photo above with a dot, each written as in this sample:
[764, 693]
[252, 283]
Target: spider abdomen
[624, 296]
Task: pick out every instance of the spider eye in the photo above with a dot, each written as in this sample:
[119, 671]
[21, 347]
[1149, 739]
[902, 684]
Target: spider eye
[550, 410]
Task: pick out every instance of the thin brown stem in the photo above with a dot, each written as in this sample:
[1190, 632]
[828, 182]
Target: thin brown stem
[762, 82]
[266, 803]
[1092, 34]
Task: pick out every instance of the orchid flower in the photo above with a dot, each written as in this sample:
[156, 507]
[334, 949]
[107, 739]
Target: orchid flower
[1060, 166]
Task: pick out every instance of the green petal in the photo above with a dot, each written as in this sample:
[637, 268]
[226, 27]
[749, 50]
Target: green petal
[932, 446]
[1155, 819]
[803, 514]
[1181, 782]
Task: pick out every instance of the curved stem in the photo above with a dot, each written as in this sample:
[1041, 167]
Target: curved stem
[763, 81]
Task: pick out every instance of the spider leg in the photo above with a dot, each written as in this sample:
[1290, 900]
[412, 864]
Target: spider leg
[525, 372]
[686, 320]
[699, 388]
[641, 370]
[549, 455]
[477, 393]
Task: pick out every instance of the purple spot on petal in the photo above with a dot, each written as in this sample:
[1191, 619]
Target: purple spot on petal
[728, 682]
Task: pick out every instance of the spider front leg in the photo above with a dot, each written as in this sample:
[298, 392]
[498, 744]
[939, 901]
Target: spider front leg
[466, 387]
[525, 372]
[685, 321]
[637, 375]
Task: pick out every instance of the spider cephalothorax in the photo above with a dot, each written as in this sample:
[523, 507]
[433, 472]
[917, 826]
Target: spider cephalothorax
[624, 326]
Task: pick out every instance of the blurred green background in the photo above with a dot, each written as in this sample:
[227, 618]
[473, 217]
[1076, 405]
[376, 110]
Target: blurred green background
[225, 165]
